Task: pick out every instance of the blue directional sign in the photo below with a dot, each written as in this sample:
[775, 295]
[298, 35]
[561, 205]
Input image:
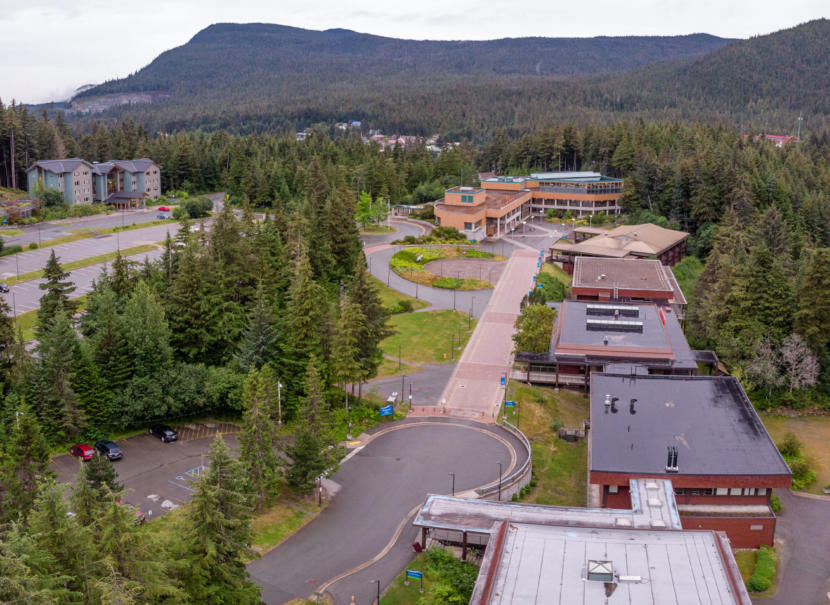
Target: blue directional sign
[387, 410]
[509, 404]
[501, 381]
[534, 278]
[540, 285]
[411, 573]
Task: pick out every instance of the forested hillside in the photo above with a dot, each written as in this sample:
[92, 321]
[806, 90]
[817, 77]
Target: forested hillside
[257, 77]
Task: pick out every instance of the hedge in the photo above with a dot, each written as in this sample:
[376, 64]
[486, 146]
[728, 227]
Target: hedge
[765, 569]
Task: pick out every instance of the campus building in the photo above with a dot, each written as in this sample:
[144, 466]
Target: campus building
[703, 433]
[118, 182]
[500, 204]
[595, 337]
[548, 555]
[626, 241]
[72, 177]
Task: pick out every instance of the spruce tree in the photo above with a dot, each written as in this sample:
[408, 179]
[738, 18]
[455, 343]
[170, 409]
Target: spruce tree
[217, 533]
[345, 349]
[121, 281]
[376, 317]
[24, 464]
[260, 339]
[146, 332]
[258, 441]
[812, 318]
[56, 400]
[8, 348]
[314, 450]
[58, 289]
[109, 345]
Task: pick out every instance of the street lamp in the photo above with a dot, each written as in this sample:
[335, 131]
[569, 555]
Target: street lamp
[499, 481]
[378, 583]
[319, 490]
[452, 347]
[279, 403]
[453, 483]
[402, 379]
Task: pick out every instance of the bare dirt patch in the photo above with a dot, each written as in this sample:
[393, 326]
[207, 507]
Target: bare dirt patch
[467, 268]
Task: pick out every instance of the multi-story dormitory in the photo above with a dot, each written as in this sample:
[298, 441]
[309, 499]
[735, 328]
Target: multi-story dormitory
[123, 183]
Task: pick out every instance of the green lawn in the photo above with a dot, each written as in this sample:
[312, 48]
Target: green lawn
[377, 229]
[814, 433]
[84, 262]
[556, 272]
[11, 232]
[279, 522]
[394, 301]
[389, 368]
[559, 468]
[410, 263]
[399, 594]
[426, 337]
[80, 234]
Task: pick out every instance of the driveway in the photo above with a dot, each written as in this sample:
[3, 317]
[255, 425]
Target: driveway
[380, 486]
[802, 537]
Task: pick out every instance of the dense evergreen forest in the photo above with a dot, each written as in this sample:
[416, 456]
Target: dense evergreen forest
[269, 78]
[225, 315]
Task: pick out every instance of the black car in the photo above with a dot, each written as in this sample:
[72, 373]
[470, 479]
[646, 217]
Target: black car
[164, 432]
[4, 287]
[109, 449]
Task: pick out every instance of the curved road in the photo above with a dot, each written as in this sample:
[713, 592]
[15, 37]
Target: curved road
[380, 485]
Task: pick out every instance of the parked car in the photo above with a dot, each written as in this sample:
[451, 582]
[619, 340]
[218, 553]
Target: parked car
[162, 215]
[164, 432]
[164, 208]
[82, 451]
[4, 287]
[109, 449]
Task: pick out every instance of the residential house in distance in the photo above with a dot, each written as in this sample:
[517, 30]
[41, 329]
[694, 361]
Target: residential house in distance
[72, 177]
[703, 433]
[119, 182]
[626, 241]
[550, 555]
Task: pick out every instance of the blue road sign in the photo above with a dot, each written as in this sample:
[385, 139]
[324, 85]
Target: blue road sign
[509, 404]
[540, 285]
[501, 381]
[411, 573]
[387, 410]
[534, 278]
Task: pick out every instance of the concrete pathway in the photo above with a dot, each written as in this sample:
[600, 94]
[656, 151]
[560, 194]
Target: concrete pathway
[474, 390]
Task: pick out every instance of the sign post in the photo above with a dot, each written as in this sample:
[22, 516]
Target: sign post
[411, 573]
[387, 410]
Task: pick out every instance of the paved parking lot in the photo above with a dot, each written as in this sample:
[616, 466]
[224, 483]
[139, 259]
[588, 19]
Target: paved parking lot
[157, 475]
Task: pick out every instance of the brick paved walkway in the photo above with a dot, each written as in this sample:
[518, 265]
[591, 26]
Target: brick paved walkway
[474, 391]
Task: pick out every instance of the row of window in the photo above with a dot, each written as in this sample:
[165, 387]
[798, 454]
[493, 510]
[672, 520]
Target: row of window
[467, 199]
[471, 226]
[708, 491]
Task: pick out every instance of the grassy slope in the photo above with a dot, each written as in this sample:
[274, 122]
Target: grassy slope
[426, 337]
[814, 433]
[390, 298]
[559, 467]
[558, 273]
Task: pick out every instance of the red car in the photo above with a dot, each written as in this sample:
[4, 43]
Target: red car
[83, 451]
[164, 208]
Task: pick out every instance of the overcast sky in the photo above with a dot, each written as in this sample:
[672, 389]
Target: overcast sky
[50, 47]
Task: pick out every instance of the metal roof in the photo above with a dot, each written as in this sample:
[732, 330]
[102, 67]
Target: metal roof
[709, 418]
[59, 166]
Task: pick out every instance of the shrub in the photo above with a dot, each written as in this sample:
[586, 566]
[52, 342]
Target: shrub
[33, 246]
[556, 424]
[765, 568]
[803, 475]
[790, 446]
[775, 503]
[11, 250]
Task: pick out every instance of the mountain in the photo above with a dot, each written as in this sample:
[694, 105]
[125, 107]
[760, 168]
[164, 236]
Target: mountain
[260, 77]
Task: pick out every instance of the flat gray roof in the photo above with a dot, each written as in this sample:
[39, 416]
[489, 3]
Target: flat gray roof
[709, 419]
[546, 565]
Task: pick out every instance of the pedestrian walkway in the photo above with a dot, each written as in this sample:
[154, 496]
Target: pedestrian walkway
[475, 390]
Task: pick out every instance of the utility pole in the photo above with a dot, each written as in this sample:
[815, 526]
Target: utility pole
[499, 481]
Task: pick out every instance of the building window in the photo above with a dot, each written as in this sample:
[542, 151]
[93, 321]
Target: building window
[468, 226]
[615, 489]
[467, 199]
[679, 491]
[756, 528]
[762, 491]
[735, 491]
[749, 491]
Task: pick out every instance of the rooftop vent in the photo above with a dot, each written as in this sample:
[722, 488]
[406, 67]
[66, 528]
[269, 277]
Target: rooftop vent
[612, 310]
[600, 571]
[614, 325]
[671, 464]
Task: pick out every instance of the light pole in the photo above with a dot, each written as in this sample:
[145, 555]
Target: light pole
[453, 298]
[399, 358]
[17, 264]
[378, 583]
[453, 483]
[452, 347]
[499, 481]
[410, 394]
[279, 403]
[319, 490]
[402, 379]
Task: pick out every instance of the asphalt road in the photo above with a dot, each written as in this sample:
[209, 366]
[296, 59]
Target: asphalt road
[802, 537]
[380, 485]
[153, 472]
[427, 384]
[42, 232]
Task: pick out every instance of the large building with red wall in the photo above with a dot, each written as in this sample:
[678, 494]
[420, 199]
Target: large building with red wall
[703, 433]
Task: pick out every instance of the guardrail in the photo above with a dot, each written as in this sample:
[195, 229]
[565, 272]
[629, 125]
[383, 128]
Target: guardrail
[515, 481]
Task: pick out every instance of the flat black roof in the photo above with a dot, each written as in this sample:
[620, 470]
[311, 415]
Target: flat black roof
[709, 419]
